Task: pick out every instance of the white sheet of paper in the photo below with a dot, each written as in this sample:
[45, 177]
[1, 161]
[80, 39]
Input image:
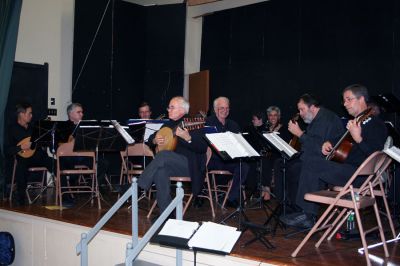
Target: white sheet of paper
[179, 228]
[215, 237]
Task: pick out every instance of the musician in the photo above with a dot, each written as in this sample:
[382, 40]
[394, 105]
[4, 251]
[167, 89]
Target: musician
[369, 136]
[222, 123]
[17, 133]
[258, 122]
[75, 115]
[144, 111]
[322, 125]
[273, 125]
[188, 159]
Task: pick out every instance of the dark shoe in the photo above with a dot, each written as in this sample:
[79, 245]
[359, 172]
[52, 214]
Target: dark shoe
[198, 202]
[298, 219]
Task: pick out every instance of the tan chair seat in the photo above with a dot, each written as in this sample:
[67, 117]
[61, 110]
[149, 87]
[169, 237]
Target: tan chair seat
[328, 197]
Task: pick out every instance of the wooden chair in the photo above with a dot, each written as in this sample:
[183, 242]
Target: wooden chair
[66, 150]
[32, 185]
[219, 189]
[340, 202]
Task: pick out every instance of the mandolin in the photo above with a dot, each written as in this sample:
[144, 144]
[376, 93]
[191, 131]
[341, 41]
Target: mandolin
[171, 140]
[295, 141]
[343, 147]
[26, 153]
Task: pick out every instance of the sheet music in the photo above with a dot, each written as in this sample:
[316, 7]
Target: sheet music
[215, 237]
[393, 152]
[233, 144]
[179, 228]
[151, 128]
[123, 132]
[280, 144]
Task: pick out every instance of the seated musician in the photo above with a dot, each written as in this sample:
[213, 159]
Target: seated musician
[187, 160]
[323, 125]
[75, 115]
[221, 121]
[19, 145]
[368, 136]
[144, 111]
[273, 125]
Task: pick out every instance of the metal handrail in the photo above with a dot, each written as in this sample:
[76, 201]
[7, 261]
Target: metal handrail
[135, 247]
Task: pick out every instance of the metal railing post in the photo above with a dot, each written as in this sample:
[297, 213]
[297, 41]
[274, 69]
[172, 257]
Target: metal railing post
[179, 216]
[84, 249]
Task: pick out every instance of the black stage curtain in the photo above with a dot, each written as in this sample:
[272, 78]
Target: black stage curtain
[137, 56]
[271, 53]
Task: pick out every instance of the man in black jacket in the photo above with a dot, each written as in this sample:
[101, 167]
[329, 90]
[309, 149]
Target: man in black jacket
[19, 144]
[368, 136]
[222, 123]
[188, 159]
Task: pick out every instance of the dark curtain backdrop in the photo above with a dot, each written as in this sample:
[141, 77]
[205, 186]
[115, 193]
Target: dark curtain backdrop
[271, 53]
[137, 56]
[258, 55]
[10, 11]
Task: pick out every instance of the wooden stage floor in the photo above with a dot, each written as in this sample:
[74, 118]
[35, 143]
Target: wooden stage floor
[335, 252]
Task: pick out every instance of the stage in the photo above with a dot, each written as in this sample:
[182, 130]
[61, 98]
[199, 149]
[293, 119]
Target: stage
[53, 234]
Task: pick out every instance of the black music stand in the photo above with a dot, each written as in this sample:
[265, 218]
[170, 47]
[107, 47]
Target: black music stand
[287, 153]
[223, 145]
[48, 133]
[258, 142]
[97, 136]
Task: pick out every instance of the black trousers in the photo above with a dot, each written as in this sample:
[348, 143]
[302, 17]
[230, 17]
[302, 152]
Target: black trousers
[39, 159]
[164, 165]
[316, 173]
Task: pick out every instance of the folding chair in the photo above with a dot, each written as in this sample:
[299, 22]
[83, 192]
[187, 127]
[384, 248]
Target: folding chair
[66, 150]
[347, 199]
[189, 195]
[32, 185]
[219, 189]
[377, 183]
[130, 170]
[207, 191]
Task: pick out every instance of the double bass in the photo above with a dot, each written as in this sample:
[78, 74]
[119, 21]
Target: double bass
[343, 147]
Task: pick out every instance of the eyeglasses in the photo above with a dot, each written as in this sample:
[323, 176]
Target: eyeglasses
[348, 99]
[223, 108]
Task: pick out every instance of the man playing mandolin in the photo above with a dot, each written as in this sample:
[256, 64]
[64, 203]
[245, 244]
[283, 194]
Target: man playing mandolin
[366, 133]
[20, 146]
[187, 159]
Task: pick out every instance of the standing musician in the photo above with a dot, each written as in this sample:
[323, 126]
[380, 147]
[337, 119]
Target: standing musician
[19, 143]
[367, 137]
[323, 125]
[144, 111]
[188, 159]
[222, 123]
